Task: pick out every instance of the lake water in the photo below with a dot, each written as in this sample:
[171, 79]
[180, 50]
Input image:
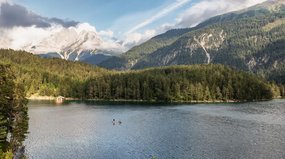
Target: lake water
[80, 130]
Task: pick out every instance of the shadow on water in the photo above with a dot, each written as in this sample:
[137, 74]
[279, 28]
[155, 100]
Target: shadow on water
[100, 103]
[124, 103]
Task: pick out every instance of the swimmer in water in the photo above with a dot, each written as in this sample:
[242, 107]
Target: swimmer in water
[114, 121]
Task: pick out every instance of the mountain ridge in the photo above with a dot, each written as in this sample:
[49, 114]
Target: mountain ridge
[250, 39]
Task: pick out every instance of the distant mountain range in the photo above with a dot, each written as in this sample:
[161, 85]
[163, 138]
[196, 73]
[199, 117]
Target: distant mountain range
[251, 39]
[80, 43]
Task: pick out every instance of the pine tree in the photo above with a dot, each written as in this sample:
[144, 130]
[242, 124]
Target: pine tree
[219, 95]
[13, 113]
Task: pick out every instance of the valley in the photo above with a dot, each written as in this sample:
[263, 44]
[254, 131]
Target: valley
[153, 79]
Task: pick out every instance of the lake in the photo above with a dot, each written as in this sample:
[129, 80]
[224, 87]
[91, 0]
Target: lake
[85, 130]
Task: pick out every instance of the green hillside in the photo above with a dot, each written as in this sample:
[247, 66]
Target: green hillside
[251, 40]
[54, 77]
[50, 77]
[126, 60]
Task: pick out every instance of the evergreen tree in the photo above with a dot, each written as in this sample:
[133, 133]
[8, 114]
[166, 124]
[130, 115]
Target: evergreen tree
[13, 113]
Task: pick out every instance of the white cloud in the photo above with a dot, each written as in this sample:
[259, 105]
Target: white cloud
[22, 37]
[137, 38]
[106, 33]
[194, 15]
[4, 1]
[56, 39]
[177, 4]
[209, 8]
[112, 47]
[81, 27]
[58, 36]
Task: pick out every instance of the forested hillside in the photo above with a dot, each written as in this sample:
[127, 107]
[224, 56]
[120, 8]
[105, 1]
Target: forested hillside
[128, 59]
[54, 77]
[251, 40]
[50, 77]
[182, 83]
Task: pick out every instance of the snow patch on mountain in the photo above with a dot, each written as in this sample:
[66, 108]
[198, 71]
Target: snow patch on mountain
[57, 39]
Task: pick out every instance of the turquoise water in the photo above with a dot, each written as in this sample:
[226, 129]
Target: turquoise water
[80, 130]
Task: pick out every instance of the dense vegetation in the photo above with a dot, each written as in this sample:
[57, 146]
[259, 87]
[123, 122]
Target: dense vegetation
[251, 40]
[54, 77]
[48, 77]
[13, 114]
[181, 83]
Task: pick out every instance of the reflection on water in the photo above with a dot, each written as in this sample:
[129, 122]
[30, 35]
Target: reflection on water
[79, 130]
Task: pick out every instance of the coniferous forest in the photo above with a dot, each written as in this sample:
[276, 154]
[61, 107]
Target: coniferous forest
[181, 83]
[13, 115]
[56, 77]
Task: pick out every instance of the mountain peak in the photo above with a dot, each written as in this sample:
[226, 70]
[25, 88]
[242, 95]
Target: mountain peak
[66, 41]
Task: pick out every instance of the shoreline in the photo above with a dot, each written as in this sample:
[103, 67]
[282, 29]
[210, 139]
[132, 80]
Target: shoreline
[50, 98]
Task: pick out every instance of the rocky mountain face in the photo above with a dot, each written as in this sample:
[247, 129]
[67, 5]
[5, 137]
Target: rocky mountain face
[131, 57]
[76, 43]
[252, 39]
[67, 44]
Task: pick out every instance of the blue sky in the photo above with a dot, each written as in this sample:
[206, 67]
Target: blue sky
[104, 14]
[119, 24]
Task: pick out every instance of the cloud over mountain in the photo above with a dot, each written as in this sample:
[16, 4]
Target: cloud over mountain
[192, 16]
[22, 29]
[168, 9]
[208, 8]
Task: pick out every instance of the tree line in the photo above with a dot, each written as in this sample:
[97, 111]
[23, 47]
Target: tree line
[55, 77]
[181, 83]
